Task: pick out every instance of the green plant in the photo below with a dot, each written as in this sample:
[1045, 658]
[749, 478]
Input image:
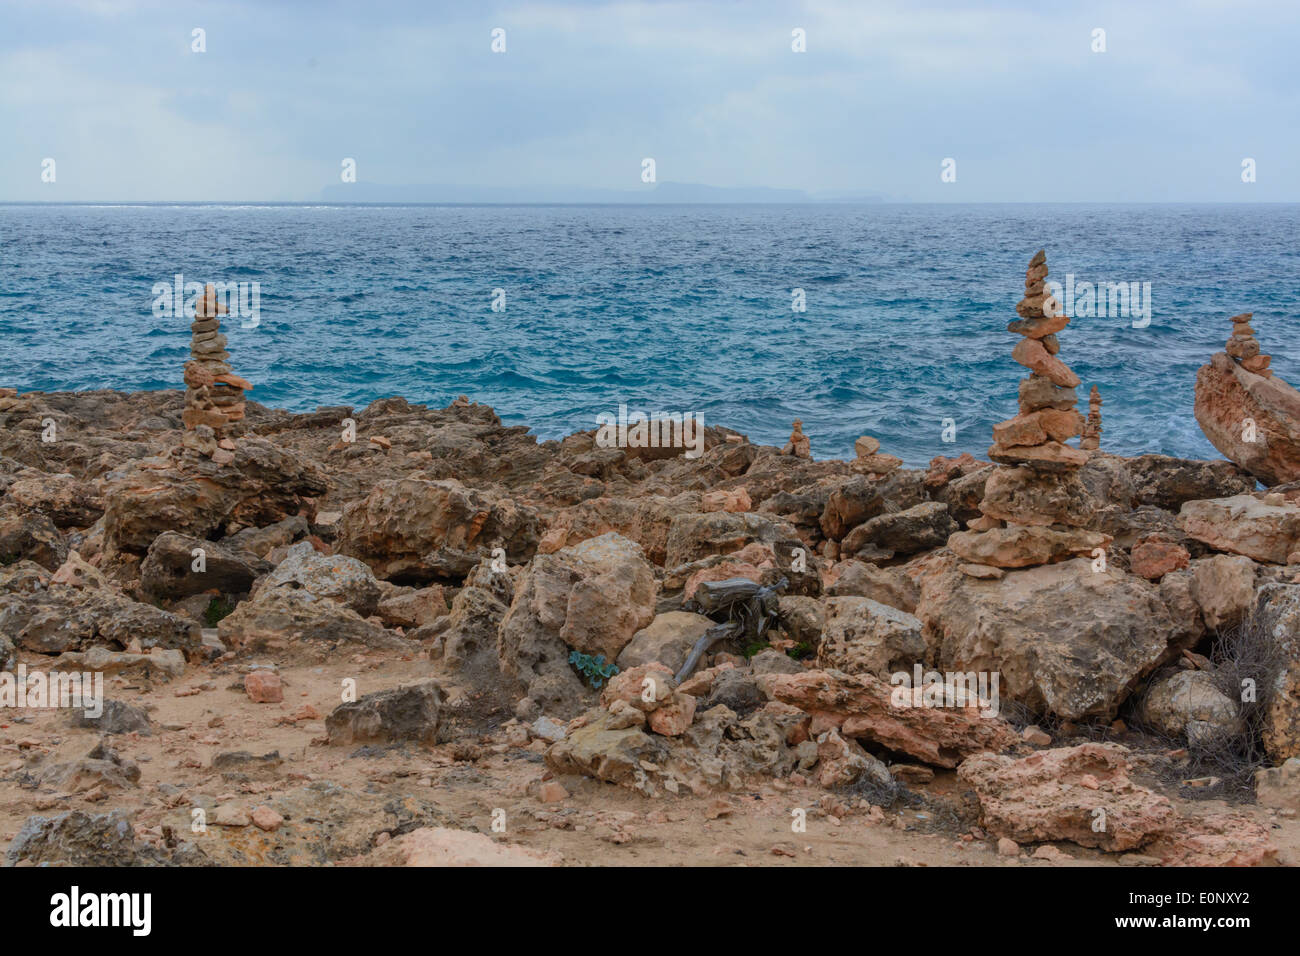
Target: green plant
[594, 669]
[215, 611]
[800, 651]
[756, 648]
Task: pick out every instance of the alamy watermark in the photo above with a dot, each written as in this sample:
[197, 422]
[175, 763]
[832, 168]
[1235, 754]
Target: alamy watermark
[1103, 299]
[923, 688]
[179, 298]
[38, 690]
[636, 429]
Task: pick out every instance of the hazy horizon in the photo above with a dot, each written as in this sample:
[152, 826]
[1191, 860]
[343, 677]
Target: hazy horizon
[114, 93]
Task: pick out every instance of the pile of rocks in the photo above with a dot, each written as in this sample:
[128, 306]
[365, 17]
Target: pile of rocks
[214, 397]
[870, 459]
[1034, 513]
[1244, 347]
[799, 446]
[1091, 438]
[1047, 414]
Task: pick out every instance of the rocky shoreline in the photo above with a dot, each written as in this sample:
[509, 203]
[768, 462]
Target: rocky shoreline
[517, 610]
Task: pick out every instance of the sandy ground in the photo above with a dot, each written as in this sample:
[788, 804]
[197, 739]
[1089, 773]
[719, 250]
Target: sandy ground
[207, 713]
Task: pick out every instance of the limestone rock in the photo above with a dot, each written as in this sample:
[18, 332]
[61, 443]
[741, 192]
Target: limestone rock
[413, 530]
[667, 639]
[918, 528]
[1244, 524]
[1230, 400]
[592, 598]
[1042, 798]
[336, 577]
[861, 636]
[863, 708]
[1065, 639]
[168, 570]
[1021, 547]
[1189, 704]
[412, 713]
[1223, 587]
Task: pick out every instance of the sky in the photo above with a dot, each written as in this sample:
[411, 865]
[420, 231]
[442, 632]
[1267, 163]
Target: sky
[885, 92]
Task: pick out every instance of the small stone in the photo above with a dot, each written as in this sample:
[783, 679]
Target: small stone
[552, 792]
[264, 818]
[264, 687]
[1008, 847]
[866, 446]
[1036, 736]
[229, 815]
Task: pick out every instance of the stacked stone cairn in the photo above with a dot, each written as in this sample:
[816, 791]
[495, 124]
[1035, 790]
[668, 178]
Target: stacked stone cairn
[1244, 347]
[1035, 509]
[1091, 438]
[799, 446]
[214, 396]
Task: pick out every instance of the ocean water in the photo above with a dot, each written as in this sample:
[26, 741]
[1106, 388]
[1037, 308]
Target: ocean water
[664, 308]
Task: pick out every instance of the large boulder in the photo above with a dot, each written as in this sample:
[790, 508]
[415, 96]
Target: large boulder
[695, 536]
[1190, 704]
[169, 568]
[413, 530]
[1029, 497]
[1082, 794]
[1229, 399]
[887, 585]
[1023, 546]
[914, 529]
[469, 634]
[1266, 529]
[72, 619]
[412, 713]
[333, 576]
[591, 598]
[1066, 639]
[667, 639]
[287, 621]
[27, 535]
[857, 500]
[1277, 614]
[1223, 587]
[196, 496]
[69, 501]
[644, 520]
[1168, 483]
[75, 838]
[861, 636]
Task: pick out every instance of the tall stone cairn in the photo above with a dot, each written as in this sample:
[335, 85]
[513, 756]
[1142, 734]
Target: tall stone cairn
[214, 396]
[1036, 436]
[1035, 509]
[1091, 440]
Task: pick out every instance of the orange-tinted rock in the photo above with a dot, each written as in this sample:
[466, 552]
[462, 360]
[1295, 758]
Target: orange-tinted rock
[1042, 798]
[1031, 354]
[1234, 405]
[862, 707]
[1035, 428]
[1154, 559]
[263, 687]
[1021, 547]
[1049, 456]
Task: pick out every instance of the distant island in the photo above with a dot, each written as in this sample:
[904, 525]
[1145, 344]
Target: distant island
[667, 192]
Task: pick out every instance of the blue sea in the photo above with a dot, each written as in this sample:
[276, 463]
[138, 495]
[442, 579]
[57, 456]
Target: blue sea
[662, 308]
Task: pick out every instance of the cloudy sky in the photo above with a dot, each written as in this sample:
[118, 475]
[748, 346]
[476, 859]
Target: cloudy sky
[111, 90]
